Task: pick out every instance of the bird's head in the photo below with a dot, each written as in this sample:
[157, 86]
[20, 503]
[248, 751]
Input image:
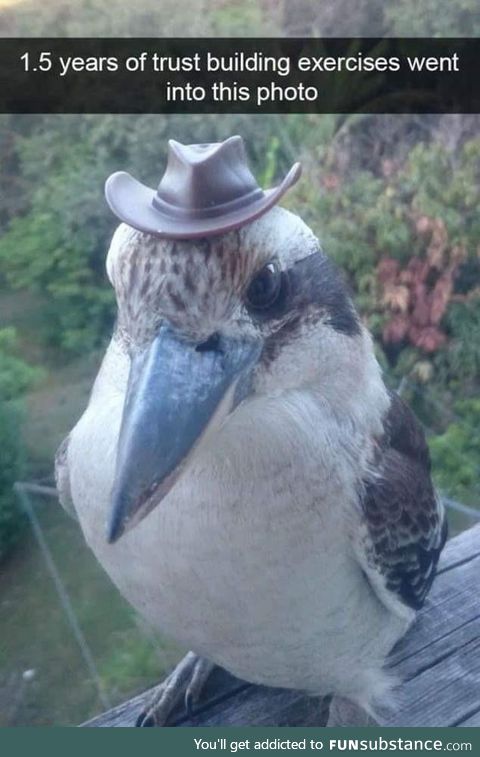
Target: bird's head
[211, 323]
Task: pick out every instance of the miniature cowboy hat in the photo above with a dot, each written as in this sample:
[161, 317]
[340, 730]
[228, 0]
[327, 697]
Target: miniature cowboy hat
[206, 189]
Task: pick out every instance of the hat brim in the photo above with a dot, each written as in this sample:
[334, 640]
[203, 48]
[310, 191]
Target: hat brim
[131, 202]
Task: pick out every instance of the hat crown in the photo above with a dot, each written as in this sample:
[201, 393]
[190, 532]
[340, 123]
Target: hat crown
[206, 189]
[203, 178]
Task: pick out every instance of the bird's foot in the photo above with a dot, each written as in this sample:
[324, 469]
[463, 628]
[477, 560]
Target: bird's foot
[185, 681]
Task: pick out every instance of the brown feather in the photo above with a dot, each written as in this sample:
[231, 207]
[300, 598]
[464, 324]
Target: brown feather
[406, 522]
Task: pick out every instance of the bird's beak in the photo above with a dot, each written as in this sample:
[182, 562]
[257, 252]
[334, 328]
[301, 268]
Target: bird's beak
[174, 393]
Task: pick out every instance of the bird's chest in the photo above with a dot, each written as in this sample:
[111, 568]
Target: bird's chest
[245, 561]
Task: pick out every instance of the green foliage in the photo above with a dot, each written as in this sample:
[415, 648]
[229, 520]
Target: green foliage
[443, 185]
[11, 462]
[459, 365]
[337, 18]
[92, 18]
[232, 19]
[456, 454]
[54, 250]
[434, 18]
[15, 377]
[58, 246]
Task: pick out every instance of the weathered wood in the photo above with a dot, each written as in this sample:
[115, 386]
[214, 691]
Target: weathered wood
[228, 701]
[438, 664]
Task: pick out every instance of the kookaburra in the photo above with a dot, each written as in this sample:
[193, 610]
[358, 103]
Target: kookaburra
[241, 471]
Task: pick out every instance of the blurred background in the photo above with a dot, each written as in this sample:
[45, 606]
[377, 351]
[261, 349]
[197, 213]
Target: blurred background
[395, 201]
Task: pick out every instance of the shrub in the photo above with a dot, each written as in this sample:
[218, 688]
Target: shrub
[15, 377]
[408, 238]
[11, 464]
[434, 18]
[456, 454]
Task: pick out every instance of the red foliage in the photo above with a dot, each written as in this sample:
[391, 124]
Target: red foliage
[331, 182]
[417, 296]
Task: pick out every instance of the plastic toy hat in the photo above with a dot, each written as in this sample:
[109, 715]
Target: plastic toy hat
[206, 189]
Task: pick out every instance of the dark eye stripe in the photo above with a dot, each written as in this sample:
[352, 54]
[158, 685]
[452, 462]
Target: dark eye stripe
[313, 288]
[316, 282]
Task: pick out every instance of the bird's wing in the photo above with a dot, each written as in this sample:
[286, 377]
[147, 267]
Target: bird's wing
[62, 478]
[405, 526]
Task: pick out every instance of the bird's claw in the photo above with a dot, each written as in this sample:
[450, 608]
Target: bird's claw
[144, 720]
[186, 680]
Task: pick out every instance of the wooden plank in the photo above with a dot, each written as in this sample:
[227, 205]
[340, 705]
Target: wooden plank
[448, 613]
[461, 548]
[471, 722]
[444, 694]
[438, 663]
[220, 684]
[438, 660]
[258, 705]
[228, 701]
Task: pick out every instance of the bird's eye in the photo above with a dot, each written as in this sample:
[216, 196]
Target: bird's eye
[265, 288]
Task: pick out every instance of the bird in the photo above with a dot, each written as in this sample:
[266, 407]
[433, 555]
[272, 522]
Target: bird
[242, 472]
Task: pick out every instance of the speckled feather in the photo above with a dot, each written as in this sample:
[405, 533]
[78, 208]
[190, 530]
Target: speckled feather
[406, 522]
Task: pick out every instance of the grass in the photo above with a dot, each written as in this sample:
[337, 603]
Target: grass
[57, 402]
[53, 409]
[36, 635]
